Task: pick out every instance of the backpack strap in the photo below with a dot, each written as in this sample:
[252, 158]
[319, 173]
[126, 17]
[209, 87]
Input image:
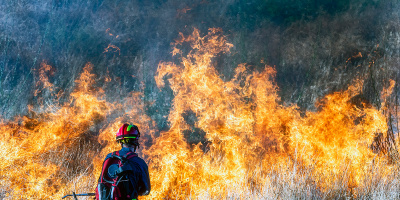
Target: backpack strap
[130, 155]
[131, 194]
[104, 182]
[114, 192]
[106, 163]
[124, 167]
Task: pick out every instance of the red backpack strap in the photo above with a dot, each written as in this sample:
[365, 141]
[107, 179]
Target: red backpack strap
[130, 155]
[104, 182]
[105, 167]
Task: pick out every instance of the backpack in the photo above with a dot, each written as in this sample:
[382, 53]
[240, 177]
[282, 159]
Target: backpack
[115, 182]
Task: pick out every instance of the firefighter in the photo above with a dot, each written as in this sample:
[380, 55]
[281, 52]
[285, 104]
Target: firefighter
[124, 175]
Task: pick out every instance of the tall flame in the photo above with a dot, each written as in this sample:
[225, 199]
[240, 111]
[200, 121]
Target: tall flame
[47, 155]
[246, 128]
[31, 146]
[224, 136]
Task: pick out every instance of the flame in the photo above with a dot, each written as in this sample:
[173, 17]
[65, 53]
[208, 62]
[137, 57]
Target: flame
[112, 48]
[180, 12]
[247, 129]
[386, 92]
[32, 146]
[339, 133]
[50, 154]
[43, 82]
[223, 136]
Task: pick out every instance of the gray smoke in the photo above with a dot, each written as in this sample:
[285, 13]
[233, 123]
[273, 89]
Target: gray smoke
[314, 46]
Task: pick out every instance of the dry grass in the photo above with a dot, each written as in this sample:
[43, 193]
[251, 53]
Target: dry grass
[317, 49]
[293, 183]
[289, 181]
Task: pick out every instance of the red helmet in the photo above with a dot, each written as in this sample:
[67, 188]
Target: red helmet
[128, 132]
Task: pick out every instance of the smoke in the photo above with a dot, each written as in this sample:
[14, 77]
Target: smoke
[316, 48]
[309, 43]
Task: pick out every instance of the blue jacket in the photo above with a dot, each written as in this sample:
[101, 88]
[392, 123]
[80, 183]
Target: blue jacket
[141, 178]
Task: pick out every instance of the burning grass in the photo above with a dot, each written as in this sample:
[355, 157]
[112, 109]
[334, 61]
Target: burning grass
[252, 146]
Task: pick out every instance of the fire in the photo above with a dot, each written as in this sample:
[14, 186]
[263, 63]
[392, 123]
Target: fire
[243, 134]
[247, 129]
[112, 48]
[338, 134]
[44, 82]
[31, 145]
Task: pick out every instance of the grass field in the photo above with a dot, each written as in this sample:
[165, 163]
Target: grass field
[249, 146]
[264, 99]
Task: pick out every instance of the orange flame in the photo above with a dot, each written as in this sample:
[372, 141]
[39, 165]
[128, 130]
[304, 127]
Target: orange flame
[43, 82]
[247, 129]
[223, 135]
[112, 48]
[32, 146]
